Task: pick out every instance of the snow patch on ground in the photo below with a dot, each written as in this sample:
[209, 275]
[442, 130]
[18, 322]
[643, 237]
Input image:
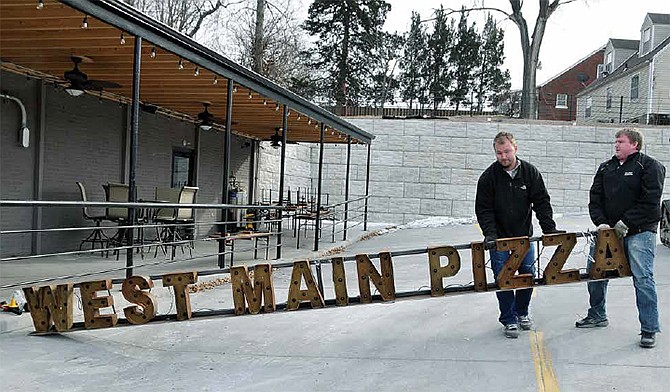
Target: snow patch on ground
[432, 222]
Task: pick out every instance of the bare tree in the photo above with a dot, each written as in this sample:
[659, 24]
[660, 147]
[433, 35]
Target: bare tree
[186, 16]
[530, 45]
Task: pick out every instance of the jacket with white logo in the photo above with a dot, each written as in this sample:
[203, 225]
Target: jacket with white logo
[630, 192]
[504, 205]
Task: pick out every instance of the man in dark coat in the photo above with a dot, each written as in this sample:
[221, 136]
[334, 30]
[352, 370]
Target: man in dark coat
[626, 195]
[507, 193]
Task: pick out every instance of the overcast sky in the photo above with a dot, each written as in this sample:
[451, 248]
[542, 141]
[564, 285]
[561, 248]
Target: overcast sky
[574, 31]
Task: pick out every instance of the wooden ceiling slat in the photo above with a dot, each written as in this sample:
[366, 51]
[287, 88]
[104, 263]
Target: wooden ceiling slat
[40, 43]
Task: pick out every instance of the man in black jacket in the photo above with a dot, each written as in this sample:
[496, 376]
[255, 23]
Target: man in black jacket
[626, 195]
[507, 193]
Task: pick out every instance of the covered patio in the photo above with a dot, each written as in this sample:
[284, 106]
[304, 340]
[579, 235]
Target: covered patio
[156, 87]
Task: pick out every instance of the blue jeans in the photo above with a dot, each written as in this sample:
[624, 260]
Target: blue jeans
[640, 250]
[513, 303]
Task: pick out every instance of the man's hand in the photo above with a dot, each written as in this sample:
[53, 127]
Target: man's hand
[603, 226]
[490, 238]
[621, 229]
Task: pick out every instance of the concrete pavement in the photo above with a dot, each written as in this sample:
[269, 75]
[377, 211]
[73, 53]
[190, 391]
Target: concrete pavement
[450, 343]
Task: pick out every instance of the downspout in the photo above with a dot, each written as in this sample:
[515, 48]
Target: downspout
[24, 132]
[650, 84]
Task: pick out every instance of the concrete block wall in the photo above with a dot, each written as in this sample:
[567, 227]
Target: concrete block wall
[298, 168]
[424, 168]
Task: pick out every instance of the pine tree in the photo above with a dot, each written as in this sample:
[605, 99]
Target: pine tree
[413, 82]
[492, 82]
[383, 62]
[437, 66]
[464, 58]
[347, 32]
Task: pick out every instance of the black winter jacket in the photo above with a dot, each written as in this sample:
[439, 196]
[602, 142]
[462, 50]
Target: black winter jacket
[503, 205]
[630, 192]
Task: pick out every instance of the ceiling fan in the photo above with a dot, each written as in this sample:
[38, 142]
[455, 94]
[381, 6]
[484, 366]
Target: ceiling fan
[208, 119]
[78, 81]
[275, 140]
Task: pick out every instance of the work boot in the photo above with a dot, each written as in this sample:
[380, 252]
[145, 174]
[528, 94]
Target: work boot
[648, 339]
[525, 323]
[511, 331]
[590, 322]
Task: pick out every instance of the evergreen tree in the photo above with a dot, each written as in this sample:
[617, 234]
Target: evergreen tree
[383, 63]
[492, 83]
[464, 58]
[437, 66]
[347, 32]
[413, 82]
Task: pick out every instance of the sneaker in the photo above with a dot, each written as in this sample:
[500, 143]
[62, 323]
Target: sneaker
[648, 339]
[590, 322]
[525, 323]
[511, 331]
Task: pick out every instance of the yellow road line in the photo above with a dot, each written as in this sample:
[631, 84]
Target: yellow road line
[544, 368]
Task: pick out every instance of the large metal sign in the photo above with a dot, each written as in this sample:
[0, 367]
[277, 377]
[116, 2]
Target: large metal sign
[51, 307]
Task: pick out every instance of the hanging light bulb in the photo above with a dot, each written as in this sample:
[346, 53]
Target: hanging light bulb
[123, 39]
[196, 72]
[40, 4]
[84, 23]
[299, 116]
[265, 102]
[216, 80]
[234, 89]
[181, 64]
[153, 52]
[250, 95]
[309, 121]
[277, 108]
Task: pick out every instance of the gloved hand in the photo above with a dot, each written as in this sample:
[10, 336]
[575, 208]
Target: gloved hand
[621, 229]
[490, 238]
[603, 226]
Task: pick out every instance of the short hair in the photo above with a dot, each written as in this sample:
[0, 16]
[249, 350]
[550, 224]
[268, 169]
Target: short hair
[501, 137]
[633, 135]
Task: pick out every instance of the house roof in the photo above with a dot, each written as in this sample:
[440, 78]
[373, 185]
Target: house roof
[659, 18]
[632, 63]
[631, 44]
[39, 43]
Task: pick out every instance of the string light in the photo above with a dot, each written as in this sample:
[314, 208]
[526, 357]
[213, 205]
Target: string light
[309, 121]
[299, 116]
[84, 23]
[40, 4]
[216, 80]
[234, 89]
[123, 39]
[181, 64]
[277, 108]
[265, 102]
[250, 95]
[153, 52]
[196, 72]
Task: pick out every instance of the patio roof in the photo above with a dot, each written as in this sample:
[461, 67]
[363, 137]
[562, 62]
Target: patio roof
[39, 43]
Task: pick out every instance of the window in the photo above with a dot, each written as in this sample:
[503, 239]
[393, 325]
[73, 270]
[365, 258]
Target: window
[562, 101]
[608, 105]
[646, 40]
[634, 87]
[182, 168]
[589, 103]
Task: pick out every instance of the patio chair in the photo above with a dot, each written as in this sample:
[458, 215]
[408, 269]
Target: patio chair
[117, 193]
[178, 222]
[97, 236]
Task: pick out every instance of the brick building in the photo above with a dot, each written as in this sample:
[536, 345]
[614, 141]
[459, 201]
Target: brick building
[556, 97]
